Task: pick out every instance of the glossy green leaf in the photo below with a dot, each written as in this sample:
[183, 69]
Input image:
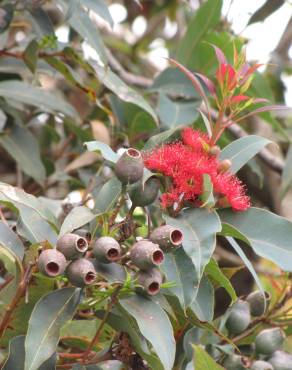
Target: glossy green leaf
[42, 99]
[122, 90]
[205, 19]
[199, 227]
[11, 241]
[178, 268]
[30, 55]
[15, 360]
[172, 79]
[154, 325]
[108, 195]
[172, 113]
[216, 275]
[242, 150]
[268, 234]
[101, 8]
[24, 148]
[112, 272]
[78, 217]
[106, 151]
[49, 315]
[203, 304]
[203, 361]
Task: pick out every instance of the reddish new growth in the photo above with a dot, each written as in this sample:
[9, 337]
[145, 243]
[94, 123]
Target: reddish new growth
[185, 162]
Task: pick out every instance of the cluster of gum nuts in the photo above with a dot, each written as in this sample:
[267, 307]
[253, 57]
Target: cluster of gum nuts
[267, 344]
[73, 258]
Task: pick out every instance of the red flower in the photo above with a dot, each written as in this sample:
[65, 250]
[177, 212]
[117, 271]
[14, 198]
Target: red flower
[185, 162]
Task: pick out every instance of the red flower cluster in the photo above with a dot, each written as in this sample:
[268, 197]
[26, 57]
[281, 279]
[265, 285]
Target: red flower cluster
[185, 162]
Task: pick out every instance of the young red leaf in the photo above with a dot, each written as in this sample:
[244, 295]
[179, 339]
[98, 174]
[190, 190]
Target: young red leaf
[239, 98]
[209, 84]
[220, 55]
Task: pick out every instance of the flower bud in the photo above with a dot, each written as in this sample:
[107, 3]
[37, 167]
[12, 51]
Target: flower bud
[215, 150]
[281, 360]
[256, 301]
[239, 317]
[129, 168]
[142, 197]
[167, 237]
[51, 262]
[106, 249]
[261, 365]
[233, 362]
[145, 254]
[81, 272]
[150, 280]
[224, 165]
[269, 341]
[72, 246]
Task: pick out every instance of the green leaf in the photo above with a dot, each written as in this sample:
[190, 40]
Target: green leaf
[108, 195]
[80, 328]
[112, 272]
[101, 8]
[106, 151]
[204, 20]
[170, 80]
[47, 318]
[80, 21]
[162, 138]
[247, 263]
[215, 274]
[122, 90]
[287, 173]
[15, 360]
[44, 100]
[11, 241]
[203, 361]
[172, 113]
[242, 150]
[30, 55]
[24, 148]
[178, 268]
[78, 217]
[269, 235]
[203, 304]
[154, 325]
[199, 227]
[207, 197]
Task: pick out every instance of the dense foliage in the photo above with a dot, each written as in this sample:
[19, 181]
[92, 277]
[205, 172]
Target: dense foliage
[141, 212]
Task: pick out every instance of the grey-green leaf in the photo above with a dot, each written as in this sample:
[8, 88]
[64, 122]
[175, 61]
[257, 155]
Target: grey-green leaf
[154, 325]
[11, 241]
[101, 8]
[108, 195]
[38, 97]
[269, 235]
[106, 151]
[203, 304]
[203, 361]
[199, 227]
[78, 217]
[24, 148]
[47, 318]
[242, 150]
[163, 137]
[178, 268]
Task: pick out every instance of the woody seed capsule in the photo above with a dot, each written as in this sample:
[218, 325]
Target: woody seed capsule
[145, 254]
[72, 246]
[151, 280]
[167, 237]
[106, 249]
[129, 168]
[51, 263]
[143, 196]
[81, 272]
[239, 317]
[269, 341]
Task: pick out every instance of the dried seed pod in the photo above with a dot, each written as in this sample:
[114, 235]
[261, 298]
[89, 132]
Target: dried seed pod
[106, 249]
[145, 254]
[81, 272]
[167, 237]
[281, 360]
[151, 280]
[269, 341]
[51, 263]
[256, 301]
[233, 362]
[72, 246]
[142, 196]
[261, 365]
[239, 317]
[129, 168]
